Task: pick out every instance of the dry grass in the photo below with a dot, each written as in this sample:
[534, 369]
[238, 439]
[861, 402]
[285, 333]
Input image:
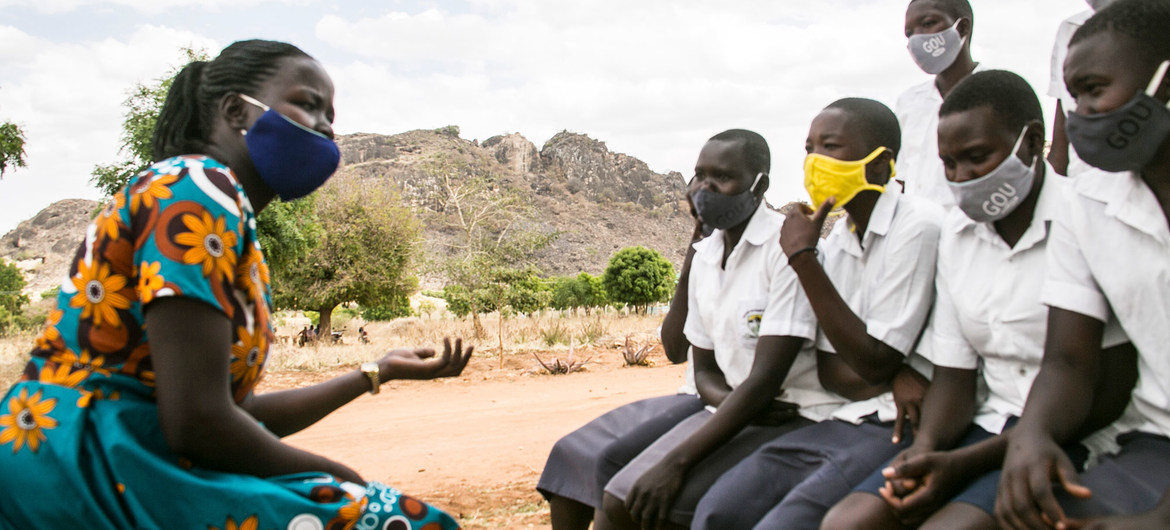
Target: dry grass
[13, 356]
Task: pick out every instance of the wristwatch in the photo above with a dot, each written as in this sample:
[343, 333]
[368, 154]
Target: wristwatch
[371, 371]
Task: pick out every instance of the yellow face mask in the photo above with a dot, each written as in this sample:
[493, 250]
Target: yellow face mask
[826, 177]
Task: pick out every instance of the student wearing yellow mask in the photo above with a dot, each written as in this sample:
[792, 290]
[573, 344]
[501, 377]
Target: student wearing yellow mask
[871, 286]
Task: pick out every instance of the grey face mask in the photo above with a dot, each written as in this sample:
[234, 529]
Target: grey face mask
[997, 194]
[1126, 138]
[725, 211]
[937, 51]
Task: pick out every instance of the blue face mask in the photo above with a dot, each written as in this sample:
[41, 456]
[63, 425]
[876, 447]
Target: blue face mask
[291, 159]
[725, 211]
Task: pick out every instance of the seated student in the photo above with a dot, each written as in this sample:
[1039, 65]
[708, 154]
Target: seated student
[749, 325]
[871, 298]
[939, 34]
[1109, 250]
[583, 461]
[987, 313]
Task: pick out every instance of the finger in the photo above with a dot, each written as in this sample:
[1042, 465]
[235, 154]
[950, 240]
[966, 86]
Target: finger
[823, 211]
[898, 425]
[1005, 503]
[805, 209]
[1045, 497]
[1027, 494]
[1070, 480]
[663, 516]
[915, 414]
[446, 350]
[424, 353]
[634, 505]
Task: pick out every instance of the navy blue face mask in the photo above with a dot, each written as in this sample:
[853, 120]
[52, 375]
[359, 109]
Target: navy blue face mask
[725, 211]
[291, 159]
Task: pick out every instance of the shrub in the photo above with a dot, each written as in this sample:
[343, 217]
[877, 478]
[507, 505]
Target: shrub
[638, 276]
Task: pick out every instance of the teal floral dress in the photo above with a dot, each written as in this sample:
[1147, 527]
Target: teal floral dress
[80, 443]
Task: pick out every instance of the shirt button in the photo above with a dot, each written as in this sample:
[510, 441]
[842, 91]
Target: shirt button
[1023, 371]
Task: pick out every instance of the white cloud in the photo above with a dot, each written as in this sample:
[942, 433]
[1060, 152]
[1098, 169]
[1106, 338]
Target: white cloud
[142, 6]
[67, 98]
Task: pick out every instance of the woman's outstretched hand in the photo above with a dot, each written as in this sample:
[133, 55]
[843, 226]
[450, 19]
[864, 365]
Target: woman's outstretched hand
[421, 363]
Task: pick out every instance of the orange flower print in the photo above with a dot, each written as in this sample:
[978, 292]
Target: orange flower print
[149, 281]
[97, 294]
[348, 515]
[151, 189]
[251, 523]
[27, 420]
[50, 338]
[248, 359]
[210, 244]
[85, 361]
[66, 375]
[107, 221]
[253, 274]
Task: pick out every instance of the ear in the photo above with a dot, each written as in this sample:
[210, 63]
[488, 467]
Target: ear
[762, 186]
[233, 111]
[877, 171]
[964, 29]
[1034, 140]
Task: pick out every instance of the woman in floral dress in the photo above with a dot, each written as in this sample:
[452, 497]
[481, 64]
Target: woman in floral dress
[137, 409]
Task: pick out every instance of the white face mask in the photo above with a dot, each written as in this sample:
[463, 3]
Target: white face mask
[998, 193]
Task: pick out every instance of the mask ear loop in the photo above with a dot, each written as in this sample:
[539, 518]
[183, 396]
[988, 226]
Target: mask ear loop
[1156, 81]
[757, 181]
[253, 101]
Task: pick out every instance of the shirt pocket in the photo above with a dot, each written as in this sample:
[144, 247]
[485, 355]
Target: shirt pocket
[748, 316]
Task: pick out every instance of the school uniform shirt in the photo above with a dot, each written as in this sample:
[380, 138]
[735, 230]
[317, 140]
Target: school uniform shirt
[918, 164]
[1110, 249]
[887, 279]
[988, 312]
[756, 294]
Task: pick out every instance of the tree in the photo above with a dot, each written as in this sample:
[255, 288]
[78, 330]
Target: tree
[581, 291]
[12, 298]
[493, 232]
[519, 290]
[142, 109]
[369, 242]
[638, 276]
[11, 147]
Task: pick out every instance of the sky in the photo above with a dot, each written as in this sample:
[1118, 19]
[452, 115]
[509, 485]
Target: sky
[651, 78]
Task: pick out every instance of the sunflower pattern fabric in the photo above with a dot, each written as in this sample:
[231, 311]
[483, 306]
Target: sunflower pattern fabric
[80, 442]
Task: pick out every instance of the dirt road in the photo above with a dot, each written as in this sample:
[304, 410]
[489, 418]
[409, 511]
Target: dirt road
[476, 445]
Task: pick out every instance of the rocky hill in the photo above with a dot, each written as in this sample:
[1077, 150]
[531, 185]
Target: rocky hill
[596, 200]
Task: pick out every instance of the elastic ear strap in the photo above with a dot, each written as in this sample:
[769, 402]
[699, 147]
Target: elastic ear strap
[1156, 81]
[253, 101]
[757, 181]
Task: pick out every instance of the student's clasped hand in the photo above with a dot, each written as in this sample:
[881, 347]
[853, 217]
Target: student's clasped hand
[1025, 498]
[919, 484]
[652, 495]
[909, 388]
[802, 228]
[420, 363]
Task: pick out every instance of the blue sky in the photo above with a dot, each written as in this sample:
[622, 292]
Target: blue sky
[651, 78]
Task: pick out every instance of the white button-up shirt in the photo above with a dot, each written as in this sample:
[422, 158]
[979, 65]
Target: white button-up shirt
[918, 164]
[887, 279]
[1110, 249]
[757, 294]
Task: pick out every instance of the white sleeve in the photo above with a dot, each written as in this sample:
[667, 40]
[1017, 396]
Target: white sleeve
[788, 313]
[948, 347]
[1070, 284]
[900, 299]
[694, 328]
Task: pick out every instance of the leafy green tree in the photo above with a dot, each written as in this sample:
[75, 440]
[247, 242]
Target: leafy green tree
[12, 300]
[592, 290]
[518, 290]
[638, 276]
[288, 231]
[142, 109]
[368, 244]
[397, 308]
[11, 147]
[11, 286]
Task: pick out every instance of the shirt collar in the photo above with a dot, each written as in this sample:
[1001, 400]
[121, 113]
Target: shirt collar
[756, 233]
[1128, 199]
[1051, 200]
[880, 220]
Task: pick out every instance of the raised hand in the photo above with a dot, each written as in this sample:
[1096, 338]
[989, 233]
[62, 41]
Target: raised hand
[802, 229]
[421, 363]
